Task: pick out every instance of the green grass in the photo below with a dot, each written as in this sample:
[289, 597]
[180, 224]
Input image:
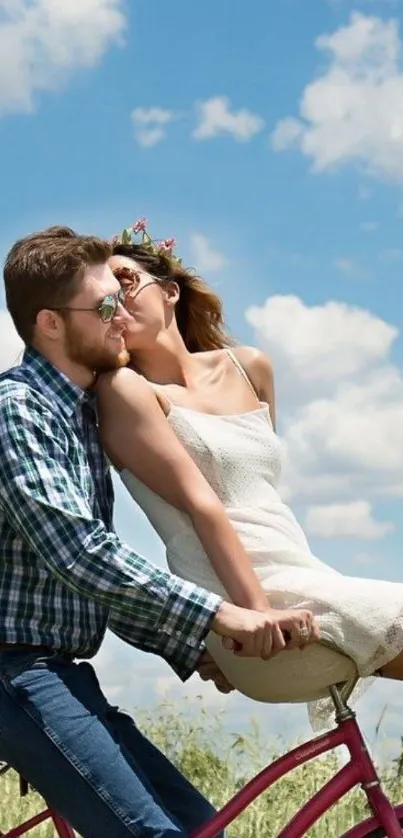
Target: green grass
[218, 763]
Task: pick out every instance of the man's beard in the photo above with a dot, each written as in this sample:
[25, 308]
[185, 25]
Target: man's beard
[98, 359]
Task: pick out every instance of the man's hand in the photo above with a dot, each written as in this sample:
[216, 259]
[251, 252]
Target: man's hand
[209, 671]
[263, 634]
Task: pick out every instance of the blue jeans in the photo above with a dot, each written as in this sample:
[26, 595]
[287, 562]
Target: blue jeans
[88, 759]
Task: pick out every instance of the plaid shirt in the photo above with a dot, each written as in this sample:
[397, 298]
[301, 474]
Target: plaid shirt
[64, 574]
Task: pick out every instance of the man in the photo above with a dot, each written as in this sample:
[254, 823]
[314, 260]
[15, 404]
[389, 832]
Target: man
[65, 575]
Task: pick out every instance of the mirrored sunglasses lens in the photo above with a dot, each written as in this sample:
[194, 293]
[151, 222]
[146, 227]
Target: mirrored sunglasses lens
[108, 307]
[107, 312]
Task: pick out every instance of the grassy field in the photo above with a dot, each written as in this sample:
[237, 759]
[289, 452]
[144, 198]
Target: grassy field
[218, 763]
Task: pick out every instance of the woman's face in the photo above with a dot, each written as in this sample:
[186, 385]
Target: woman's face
[145, 300]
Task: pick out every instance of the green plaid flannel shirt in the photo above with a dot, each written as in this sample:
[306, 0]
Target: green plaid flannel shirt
[64, 573]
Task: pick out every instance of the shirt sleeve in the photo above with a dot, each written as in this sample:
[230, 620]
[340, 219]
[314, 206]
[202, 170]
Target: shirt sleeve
[44, 502]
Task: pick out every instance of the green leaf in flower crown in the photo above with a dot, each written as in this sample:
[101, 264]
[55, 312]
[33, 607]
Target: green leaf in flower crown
[127, 235]
[147, 240]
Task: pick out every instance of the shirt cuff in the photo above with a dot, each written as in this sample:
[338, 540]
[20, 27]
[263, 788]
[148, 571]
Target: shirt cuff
[184, 625]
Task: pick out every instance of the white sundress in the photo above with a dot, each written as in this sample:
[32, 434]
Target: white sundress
[240, 456]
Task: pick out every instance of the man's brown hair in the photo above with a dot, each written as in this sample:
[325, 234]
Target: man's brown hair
[44, 270]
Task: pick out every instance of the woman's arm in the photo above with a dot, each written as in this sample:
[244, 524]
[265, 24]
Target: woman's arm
[137, 436]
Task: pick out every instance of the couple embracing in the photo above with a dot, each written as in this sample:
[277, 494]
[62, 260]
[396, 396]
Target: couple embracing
[127, 362]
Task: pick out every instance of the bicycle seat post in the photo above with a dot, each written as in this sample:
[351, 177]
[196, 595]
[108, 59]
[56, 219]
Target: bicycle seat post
[340, 694]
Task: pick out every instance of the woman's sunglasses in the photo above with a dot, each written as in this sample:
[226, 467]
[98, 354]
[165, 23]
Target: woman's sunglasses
[131, 281]
[106, 308]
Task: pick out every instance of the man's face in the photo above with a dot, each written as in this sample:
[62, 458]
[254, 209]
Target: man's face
[88, 341]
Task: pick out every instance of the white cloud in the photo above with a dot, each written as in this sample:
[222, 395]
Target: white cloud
[150, 125]
[288, 132]
[43, 41]
[215, 117]
[340, 399]
[321, 343]
[206, 257]
[345, 520]
[353, 111]
[10, 345]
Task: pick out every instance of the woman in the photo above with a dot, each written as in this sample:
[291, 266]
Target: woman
[190, 428]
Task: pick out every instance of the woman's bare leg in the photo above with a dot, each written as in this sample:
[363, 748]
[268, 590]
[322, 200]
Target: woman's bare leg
[393, 669]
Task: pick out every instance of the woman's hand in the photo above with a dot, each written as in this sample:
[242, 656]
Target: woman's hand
[263, 634]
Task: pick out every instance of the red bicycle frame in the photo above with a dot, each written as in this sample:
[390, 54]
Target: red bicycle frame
[62, 828]
[359, 770]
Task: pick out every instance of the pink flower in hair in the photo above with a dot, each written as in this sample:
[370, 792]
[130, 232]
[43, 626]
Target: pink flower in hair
[115, 239]
[140, 226]
[167, 244]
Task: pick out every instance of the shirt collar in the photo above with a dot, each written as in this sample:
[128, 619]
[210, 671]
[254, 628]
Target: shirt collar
[54, 383]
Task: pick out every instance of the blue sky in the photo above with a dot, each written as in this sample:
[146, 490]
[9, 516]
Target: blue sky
[268, 139]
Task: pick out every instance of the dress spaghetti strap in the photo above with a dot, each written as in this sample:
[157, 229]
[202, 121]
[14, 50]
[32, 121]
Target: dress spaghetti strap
[240, 369]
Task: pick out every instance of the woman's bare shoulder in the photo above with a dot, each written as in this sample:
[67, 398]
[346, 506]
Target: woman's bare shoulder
[255, 362]
[126, 385]
[120, 381]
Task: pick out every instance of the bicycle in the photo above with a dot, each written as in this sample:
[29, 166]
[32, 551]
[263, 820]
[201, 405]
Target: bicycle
[386, 820]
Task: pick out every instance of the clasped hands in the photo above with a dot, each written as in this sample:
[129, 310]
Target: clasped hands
[259, 634]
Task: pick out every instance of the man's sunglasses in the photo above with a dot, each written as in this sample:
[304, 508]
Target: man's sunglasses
[106, 308]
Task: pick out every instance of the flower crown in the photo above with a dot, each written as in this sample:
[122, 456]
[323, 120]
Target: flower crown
[156, 246]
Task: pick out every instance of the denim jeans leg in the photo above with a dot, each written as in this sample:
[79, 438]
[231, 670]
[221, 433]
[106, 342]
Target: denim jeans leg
[185, 804]
[55, 729]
